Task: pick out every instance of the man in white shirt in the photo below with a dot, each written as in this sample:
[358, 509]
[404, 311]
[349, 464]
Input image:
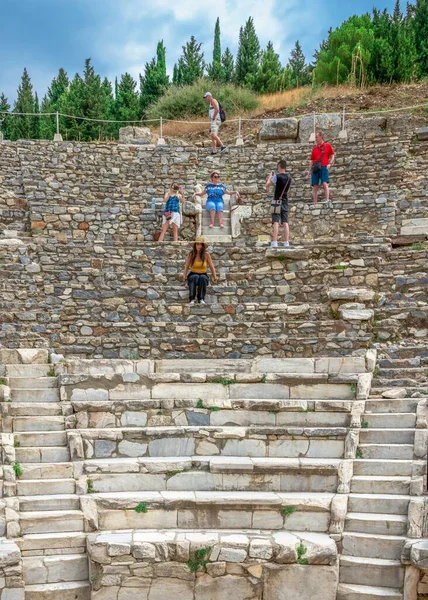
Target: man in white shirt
[215, 122]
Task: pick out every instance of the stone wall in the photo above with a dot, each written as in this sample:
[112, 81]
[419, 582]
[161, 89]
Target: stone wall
[11, 581]
[104, 191]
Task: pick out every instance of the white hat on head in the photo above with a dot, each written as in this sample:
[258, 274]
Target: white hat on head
[207, 94]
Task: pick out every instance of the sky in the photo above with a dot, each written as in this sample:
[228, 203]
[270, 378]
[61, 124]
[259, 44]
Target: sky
[121, 35]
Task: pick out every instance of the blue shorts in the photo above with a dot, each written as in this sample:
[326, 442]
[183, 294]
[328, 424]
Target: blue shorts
[321, 177]
[217, 205]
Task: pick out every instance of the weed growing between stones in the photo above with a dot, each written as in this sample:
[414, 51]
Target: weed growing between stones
[18, 469]
[359, 453]
[214, 408]
[301, 551]
[364, 424]
[199, 403]
[340, 267]
[200, 560]
[263, 379]
[170, 474]
[16, 443]
[51, 372]
[309, 409]
[222, 380]
[376, 371]
[417, 246]
[334, 314]
[141, 507]
[2, 381]
[90, 486]
[273, 412]
[353, 387]
[286, 511]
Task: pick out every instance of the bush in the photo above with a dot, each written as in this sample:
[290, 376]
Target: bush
[179, 102]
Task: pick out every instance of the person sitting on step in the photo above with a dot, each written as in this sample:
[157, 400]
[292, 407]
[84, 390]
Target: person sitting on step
[215, 203]
[195, 271]
[171, 213]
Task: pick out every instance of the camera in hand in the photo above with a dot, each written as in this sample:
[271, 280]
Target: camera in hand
[176, 188]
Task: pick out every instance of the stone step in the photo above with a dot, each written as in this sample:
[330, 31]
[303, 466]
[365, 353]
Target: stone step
[75, 590]
[44, 454]
[376, 523]
[211, 510]
[29, 395]
[51, 521]
[386, 451]
[389, 420]
[36, 409]
[58, 471]
[205, 473]
[48, 503]
[383, 467]
[384, 405]
[350, 591]
[42, 423]
[377, 572]
[28, 370]
[52, 543]
[387, 436]
[55, 569]
[377, 484]
[41, 439]
[372, 545]
[376, 503]
[45, 487]
[33, 383]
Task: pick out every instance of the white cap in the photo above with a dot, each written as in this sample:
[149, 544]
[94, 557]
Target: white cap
[207, 94]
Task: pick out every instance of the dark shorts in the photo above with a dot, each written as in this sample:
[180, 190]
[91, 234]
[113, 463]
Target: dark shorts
[321, 177]
[283, 217]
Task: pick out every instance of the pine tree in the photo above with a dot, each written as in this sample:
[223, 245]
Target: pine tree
[268, 78]
[215, 69]
[36, 119]
[407, 69]
[23, 127]
[155, 80]
[228, 66]
[191, 64]
[127, 103]
[73, 103]
[248, 57]
[4, 118]
[420, 25]
[50, 104]
[298, 66]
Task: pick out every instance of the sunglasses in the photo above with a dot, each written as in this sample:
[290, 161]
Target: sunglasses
[215, 176]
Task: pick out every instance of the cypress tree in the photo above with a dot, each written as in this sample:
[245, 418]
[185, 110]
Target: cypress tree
[228, 66]
[127, 103]
[4, 108]
[298, 66]
[23, 127]
[215, 69]
[191, 64]
[268, 78]
[248, 57]
[50, 104]
[420, 25]
[155, 80]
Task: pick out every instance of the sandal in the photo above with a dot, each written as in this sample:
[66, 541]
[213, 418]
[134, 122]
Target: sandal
[221, 225]
[211, 224]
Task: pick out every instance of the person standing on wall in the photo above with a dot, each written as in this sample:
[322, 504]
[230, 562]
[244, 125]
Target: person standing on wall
[279, 204]
[215, 203]
[171, 213]
[322, 159]
[195, 271]
[215, 122]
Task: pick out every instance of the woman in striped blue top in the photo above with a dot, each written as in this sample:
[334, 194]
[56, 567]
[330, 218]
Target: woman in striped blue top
[171, 212]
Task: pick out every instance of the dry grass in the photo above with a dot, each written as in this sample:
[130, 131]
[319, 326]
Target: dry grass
[281, 100]
[178, 129]
[331, 91]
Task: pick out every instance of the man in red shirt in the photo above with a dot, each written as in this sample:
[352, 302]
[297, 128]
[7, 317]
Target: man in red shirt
[322, 158]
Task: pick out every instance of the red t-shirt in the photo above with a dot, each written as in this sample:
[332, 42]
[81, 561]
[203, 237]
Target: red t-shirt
[316, 153]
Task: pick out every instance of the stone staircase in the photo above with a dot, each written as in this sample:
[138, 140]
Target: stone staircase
[55, 563]
[217, 234]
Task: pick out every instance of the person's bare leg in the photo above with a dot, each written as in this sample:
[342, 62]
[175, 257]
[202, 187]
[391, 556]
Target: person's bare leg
[220, 217]
[326, 191]
[315, 193]
[275, 232]
[163, 231]
[175, 232]
[212, 215]
[218, 141]
[286, 232]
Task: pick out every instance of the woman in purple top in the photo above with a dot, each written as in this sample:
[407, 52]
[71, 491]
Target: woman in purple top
[215, 192]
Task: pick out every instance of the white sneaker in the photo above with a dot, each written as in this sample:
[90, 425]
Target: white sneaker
[274, 244]
[202, 302]
[286, 244]
[192, 303]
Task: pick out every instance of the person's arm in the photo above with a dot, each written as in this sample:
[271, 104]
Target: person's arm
[270, 180]
[165, 198]
[186, 267]
[214, 104]
[211, 266]
[331, 158]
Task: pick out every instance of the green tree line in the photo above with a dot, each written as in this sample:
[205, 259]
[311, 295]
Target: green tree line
[380, 47]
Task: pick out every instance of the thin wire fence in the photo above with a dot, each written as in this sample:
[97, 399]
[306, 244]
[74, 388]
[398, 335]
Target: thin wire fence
[162, 121]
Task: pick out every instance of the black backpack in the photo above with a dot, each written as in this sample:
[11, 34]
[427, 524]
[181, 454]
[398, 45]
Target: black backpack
[222, 113]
